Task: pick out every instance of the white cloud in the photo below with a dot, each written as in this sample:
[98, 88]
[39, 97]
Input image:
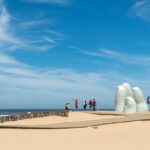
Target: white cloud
[55, 33]
[28, 84]
[128, 58]
[50, 40]
[4, 59]
[117, 56]
[102, 52]
[15, 34]
[109, 52]
[6, 35]
[19, 79]
[7, 61]
[141, 9]
[43, 48]
[35, 23]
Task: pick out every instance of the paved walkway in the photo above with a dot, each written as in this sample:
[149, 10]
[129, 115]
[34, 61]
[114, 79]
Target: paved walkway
[83, 124]
[106, 113]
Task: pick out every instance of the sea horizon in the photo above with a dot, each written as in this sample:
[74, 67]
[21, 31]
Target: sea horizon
[7, 112]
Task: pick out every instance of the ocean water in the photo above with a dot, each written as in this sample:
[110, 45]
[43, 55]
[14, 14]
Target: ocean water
[8, 112]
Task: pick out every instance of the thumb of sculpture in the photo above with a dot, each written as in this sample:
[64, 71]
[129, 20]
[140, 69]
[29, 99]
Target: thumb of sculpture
[140, 101]
[130, 105]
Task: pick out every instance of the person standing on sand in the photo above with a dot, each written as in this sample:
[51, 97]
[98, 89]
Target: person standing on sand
[94, 104]
[90, 104]
[76, 103]
[84, 105]
[67, 106]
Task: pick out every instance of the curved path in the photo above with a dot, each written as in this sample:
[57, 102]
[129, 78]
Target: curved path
[83, 124]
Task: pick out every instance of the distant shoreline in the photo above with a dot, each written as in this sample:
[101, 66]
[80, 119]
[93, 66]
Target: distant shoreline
[6, 112]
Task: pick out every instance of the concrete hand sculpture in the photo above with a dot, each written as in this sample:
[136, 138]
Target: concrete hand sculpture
[130, 100]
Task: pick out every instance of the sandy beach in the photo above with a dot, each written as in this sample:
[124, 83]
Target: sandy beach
[131, 135]
[73, 116]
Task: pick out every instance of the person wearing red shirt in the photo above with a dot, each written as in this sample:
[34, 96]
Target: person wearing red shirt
[94, 104]
[76, 103]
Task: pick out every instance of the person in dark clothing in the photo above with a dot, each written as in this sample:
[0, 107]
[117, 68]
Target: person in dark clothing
[148, 100]
[90, 104]
[85, 105]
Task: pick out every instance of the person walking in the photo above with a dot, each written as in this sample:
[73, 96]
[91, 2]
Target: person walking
[94, 104]
[84, 105]
[76, 103]
[90, 104]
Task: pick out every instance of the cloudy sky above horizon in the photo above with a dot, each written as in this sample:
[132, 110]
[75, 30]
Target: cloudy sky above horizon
[52, 51]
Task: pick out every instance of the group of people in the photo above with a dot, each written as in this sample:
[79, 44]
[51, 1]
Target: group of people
[91, 104]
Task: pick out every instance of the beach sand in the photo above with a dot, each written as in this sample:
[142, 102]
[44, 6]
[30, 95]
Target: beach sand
[73, 117]
[121, 136]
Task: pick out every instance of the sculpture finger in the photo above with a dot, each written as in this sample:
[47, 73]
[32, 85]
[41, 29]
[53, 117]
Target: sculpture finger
[129, 92]
[120, 98]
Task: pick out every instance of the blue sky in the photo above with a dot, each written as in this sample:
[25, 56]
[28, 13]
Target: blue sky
[52, 51]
